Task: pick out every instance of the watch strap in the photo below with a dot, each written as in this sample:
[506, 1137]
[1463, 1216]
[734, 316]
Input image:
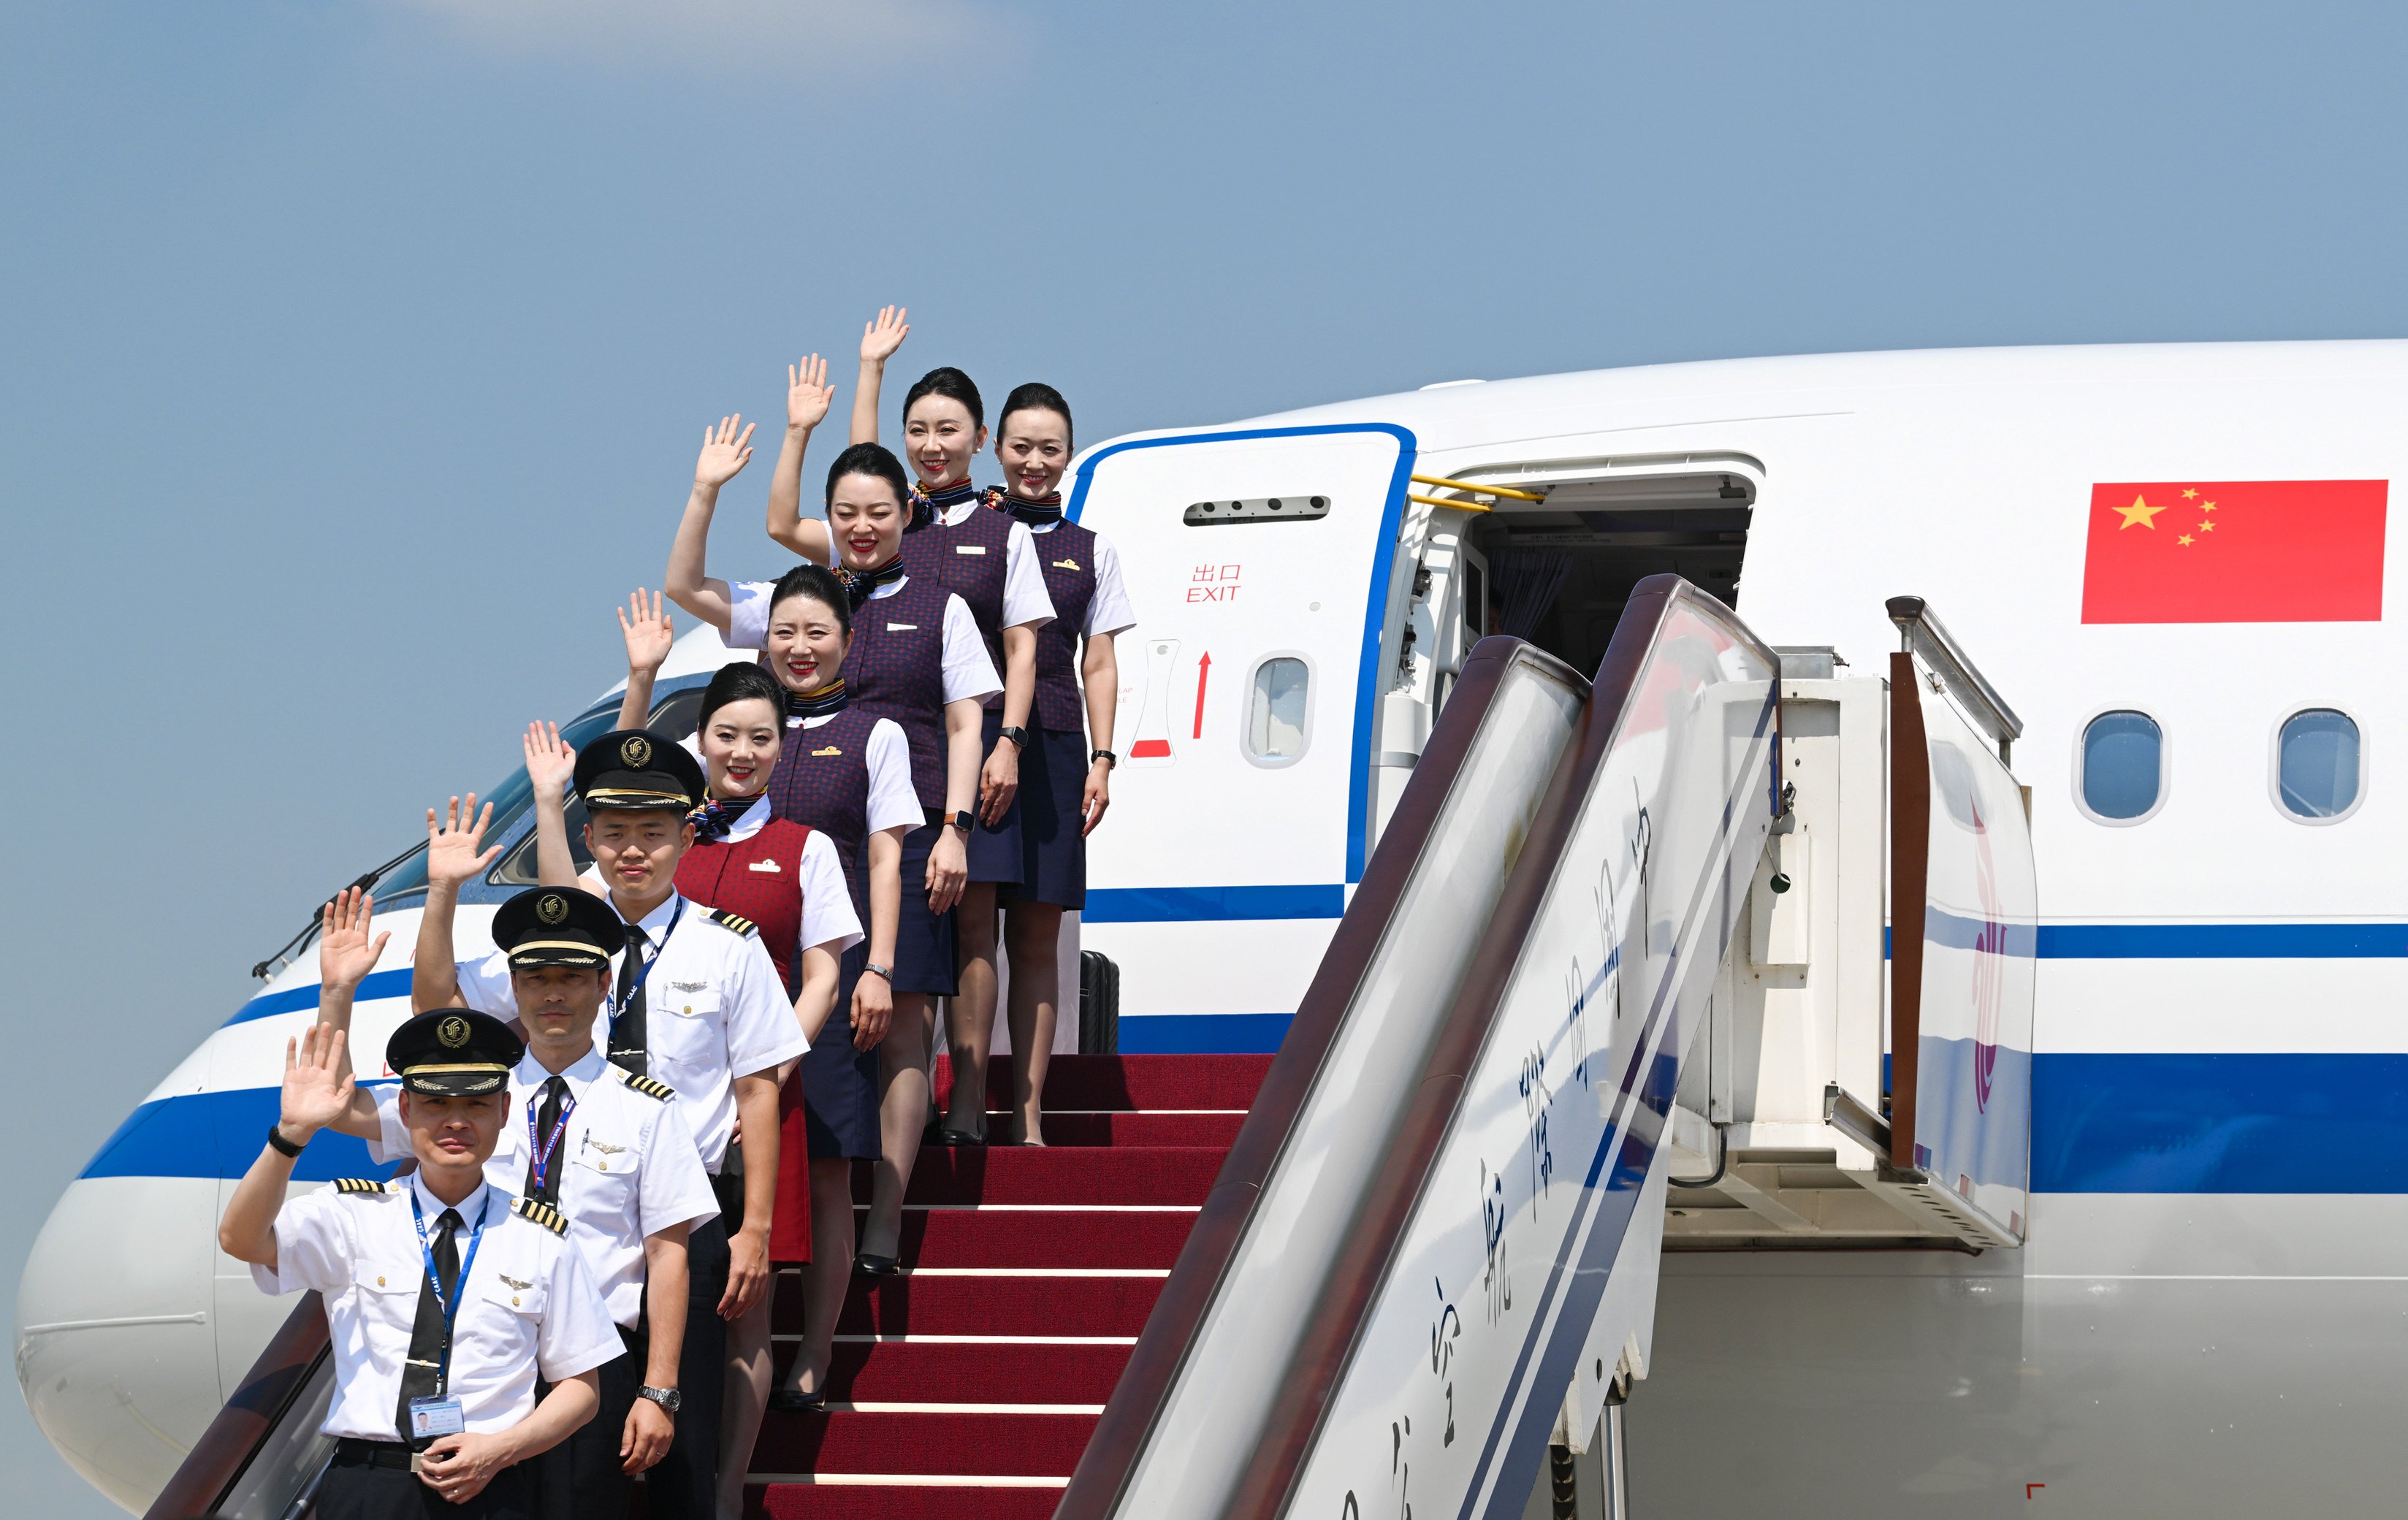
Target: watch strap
[276, 1141]
[1112, 761]
[668, 1399]
[1018, 735]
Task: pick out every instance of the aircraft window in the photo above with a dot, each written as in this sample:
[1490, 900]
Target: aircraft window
[678, 714]
[1279, 714]
[510, 802]
[2316, 765]
[2123, 767]
[518, 867]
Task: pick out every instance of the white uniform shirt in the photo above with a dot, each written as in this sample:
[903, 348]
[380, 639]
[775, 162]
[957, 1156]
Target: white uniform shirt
[627, 1164]
[715, 1010]
[968, 671]
[1108, 610]
[528, 1303]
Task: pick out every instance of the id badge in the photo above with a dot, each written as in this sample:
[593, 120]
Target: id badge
[432, 1417]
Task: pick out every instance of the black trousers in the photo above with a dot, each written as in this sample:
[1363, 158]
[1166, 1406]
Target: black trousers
[355, 1489]
[684, 1486]
[582, 1476]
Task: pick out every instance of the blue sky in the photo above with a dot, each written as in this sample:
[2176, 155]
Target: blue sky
[353, 354]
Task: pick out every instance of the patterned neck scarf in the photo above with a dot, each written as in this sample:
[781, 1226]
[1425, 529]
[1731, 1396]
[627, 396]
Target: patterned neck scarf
[1036, 514]
[713, 820]
[858, 584]
[826, 702]
[930, 504]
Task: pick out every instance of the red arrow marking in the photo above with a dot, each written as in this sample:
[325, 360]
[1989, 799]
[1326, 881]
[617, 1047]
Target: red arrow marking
[2029, 1487]
[1203, 673]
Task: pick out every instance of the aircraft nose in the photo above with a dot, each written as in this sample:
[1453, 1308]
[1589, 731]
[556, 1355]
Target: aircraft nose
[117, 1330]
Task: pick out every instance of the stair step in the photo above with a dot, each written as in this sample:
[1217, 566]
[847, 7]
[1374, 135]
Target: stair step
[973, 1445]
[1024, 1238]
[1121, 1126]
[899, 1502]
[939, 1371]
[1128, 1082]
[1014, 1306]
[1123, 1174]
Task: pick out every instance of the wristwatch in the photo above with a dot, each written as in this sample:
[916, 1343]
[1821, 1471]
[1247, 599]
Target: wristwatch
[668, 1399]
[965, 819]
[885, 971]
[1019, 737]
[279, 1143]
[1112, 761]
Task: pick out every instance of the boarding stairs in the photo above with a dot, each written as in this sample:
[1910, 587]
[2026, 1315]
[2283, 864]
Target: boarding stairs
[1408, 1266]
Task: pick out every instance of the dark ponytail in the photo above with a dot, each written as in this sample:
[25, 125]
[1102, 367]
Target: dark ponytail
[744, 682]
[814, 582]
[951, 385]
[868, 459]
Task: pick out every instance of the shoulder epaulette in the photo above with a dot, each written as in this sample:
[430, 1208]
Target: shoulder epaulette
[649, 1086]
[540, 1212]
[727, 920]
[358, 1185]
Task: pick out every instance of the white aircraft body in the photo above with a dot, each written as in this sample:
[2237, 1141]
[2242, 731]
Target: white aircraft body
[2175, 1279]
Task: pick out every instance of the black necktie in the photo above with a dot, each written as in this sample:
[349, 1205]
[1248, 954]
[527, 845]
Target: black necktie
[547, 1119]
[421, 1375]
[628, 1029]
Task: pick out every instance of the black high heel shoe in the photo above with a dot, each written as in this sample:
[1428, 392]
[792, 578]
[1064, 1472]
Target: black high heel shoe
[795, 1401]
[869, 1266]
[959, 1138]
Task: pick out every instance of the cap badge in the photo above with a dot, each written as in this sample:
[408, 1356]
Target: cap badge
[552, 908]
[637, 753]
[452, 1032]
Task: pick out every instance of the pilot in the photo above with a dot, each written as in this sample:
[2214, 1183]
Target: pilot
[697, 1005]
[1065, 775]
[446, 1298]
[915, 658]
[609, 1150]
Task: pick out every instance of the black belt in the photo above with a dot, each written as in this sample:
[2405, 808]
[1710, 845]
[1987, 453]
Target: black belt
[352, 1452]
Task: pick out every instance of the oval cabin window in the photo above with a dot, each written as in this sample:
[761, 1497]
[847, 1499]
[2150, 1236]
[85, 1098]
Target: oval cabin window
[2316, 764]
[1279, 710]
[2123, 766]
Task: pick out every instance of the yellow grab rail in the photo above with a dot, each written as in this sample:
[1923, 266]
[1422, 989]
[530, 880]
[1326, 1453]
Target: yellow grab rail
[1448, 501]
[1507, 492]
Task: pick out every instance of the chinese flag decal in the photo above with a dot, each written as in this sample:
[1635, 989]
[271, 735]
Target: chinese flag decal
[2235, 552]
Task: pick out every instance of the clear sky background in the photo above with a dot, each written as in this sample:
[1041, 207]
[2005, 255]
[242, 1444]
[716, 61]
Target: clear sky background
[354, 354]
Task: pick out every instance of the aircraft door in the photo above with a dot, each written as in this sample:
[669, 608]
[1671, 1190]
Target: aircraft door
[1258, 564]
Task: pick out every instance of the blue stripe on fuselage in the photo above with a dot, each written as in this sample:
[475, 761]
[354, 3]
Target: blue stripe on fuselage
[220, 1135]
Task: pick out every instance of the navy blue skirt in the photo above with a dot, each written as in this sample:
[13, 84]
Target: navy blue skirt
[923, 941]
[994, 853]
[839, 1083]
[1053, 851]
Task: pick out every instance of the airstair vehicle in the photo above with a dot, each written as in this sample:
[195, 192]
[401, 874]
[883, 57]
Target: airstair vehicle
[1614, 981]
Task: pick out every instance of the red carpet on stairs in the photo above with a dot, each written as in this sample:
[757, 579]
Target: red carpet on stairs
[966, 1389]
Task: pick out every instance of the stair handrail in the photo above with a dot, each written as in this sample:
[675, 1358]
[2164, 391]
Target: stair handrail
[251, 1417]
[1146, 1382]
[1922, 633]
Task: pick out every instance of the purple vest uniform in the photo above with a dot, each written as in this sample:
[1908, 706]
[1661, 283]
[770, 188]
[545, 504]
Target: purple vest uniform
[1067, 555]
[969, 559]
[896, 669]
[823, 782]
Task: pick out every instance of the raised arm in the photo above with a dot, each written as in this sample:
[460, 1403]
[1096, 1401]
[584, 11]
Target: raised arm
[649, 634]
[317, 1089]
[725, 451]
[454, 852]
[346, 955]
[807, 393]
[552, 765]
[879, 338]
[1100, 675]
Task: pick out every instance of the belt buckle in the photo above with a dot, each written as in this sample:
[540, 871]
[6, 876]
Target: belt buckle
[415, 1457]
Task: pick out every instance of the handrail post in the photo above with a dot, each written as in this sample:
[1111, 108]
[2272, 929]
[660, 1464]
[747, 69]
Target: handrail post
[1922, 635]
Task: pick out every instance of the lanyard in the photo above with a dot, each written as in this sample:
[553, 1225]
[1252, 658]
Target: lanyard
[643, 977]
[459, 1285]
[539, 1152]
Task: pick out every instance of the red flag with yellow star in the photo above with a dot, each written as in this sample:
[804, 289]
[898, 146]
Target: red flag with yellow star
[2235, 552]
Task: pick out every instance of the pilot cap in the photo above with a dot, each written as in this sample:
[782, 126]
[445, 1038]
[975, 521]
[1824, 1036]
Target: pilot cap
[558, 926]
[454, 1053]
[637, 767]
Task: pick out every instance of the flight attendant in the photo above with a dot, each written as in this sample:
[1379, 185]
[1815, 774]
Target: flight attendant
[1066, 773]
[989, 560]
[608, 1149]
[447, 1300]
